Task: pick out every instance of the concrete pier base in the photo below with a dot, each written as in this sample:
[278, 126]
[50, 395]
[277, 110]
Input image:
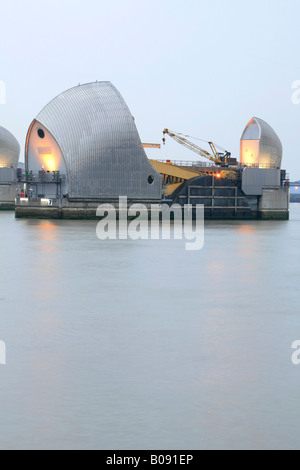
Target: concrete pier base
[274, 204]
[274, 215]
[7, 206]
[65, 209]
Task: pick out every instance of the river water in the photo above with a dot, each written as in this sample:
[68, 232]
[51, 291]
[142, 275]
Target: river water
[123, 344]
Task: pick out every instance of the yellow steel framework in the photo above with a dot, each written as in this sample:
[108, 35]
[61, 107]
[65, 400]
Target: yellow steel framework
[173, 175]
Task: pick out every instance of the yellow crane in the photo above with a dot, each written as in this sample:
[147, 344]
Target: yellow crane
[215, 157]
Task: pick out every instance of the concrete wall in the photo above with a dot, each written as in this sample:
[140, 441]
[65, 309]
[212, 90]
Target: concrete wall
[7, 196]
[274, 204]
[7, 175]
[277, 199]
[7, 188]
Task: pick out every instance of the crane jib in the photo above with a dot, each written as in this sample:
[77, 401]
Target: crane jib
[195, 148]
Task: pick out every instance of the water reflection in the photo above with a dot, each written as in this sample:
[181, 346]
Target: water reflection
[47, 233]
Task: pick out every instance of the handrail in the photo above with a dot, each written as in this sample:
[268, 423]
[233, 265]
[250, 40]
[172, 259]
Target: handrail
[187, 163]
[41, 177]
[210, 164]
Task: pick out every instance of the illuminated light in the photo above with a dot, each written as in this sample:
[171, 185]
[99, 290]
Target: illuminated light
[49, 202]
[50, 162]
[218, 175]
[250, 152]
[24, 199]
[296, 188]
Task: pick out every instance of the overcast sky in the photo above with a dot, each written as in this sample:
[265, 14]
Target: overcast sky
[203, 68]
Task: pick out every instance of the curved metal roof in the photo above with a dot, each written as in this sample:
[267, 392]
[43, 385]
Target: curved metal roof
[270, 146]
[100, 143]
[9, 149]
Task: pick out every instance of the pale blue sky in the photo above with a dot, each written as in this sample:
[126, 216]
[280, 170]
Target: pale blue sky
[203, 68]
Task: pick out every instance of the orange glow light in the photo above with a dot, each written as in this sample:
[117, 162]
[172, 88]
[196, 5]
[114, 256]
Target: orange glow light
[250, 152]
[218, 175]
[50, 162]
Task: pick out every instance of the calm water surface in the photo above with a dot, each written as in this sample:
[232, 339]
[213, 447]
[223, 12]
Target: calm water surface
[143, 345]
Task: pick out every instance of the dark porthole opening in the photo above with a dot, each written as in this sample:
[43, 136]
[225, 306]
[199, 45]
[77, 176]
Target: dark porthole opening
[150, 179]
[41, 133]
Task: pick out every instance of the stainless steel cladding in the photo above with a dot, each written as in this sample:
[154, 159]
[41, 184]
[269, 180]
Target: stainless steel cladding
[260, 145]
[255, 180]
[9, 149]
[89, 133]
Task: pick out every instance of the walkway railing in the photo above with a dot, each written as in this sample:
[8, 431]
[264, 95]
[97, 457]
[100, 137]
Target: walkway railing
[210, 164]
[40, 177]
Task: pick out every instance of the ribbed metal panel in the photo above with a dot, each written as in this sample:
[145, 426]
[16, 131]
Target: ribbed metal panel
[269, 143]
[9, 148]
[270, 147]
[99, 141]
